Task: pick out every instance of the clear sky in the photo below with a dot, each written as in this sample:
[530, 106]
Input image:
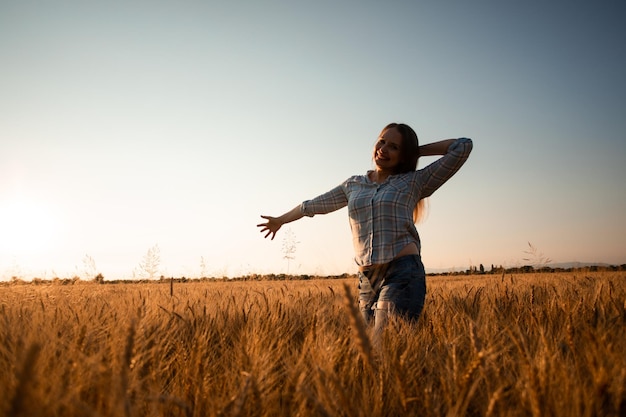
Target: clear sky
[130, 124]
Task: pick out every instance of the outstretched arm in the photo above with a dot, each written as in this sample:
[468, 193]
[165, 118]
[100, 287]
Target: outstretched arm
[455, 152]
[322, 204]
[436, 148]
[274, 223]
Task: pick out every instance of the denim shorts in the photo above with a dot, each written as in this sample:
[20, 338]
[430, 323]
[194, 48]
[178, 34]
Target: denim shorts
[399, 289]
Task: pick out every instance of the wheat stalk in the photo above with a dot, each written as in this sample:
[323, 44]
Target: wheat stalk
[25, 382]
[359, 330]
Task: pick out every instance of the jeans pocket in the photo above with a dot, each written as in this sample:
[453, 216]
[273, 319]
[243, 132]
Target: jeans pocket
[407, 294]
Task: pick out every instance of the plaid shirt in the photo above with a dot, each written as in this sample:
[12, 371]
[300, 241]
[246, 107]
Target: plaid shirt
[381, 215]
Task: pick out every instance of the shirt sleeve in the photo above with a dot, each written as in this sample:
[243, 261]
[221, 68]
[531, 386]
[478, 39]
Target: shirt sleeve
[325, 203]
[440, 171]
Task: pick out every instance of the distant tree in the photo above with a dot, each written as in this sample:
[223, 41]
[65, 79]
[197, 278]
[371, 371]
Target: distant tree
[89, 267]
[149, 265]
[481, 268]
[289, 246]
[203, 272]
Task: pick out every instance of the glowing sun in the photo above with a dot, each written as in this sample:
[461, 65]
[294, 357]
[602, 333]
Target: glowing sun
[26, 227]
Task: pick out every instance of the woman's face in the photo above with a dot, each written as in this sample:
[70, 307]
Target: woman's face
[388, 148]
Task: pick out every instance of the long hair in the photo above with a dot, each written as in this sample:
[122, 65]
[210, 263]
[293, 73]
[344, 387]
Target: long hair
[409, 155]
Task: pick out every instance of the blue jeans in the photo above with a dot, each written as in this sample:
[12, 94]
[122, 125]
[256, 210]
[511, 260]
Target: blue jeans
[398, 287]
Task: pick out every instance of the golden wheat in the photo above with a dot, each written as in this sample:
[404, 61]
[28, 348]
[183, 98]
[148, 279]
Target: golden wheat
[515, 345]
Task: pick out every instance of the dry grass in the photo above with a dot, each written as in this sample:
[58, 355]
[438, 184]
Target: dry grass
[523, 345]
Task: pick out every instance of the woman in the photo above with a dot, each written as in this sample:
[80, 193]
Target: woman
[383, 206]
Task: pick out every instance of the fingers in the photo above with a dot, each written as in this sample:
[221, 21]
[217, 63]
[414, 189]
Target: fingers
[269, 232]
[267, 227]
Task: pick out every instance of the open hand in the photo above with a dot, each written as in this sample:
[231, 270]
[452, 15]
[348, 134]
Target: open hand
[271, 226]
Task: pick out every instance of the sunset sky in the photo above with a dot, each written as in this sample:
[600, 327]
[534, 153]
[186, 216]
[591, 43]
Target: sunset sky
[128, 124]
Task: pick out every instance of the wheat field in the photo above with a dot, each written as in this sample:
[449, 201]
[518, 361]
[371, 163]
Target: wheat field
[510, 345]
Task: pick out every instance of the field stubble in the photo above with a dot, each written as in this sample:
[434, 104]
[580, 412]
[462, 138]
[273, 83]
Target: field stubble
[514, 345]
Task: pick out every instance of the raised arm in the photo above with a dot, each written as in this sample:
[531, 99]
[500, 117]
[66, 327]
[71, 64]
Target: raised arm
[436, 148]
[274, 223]
[455, 152]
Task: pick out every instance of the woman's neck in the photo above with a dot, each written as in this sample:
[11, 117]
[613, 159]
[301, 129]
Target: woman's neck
[379, 175]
